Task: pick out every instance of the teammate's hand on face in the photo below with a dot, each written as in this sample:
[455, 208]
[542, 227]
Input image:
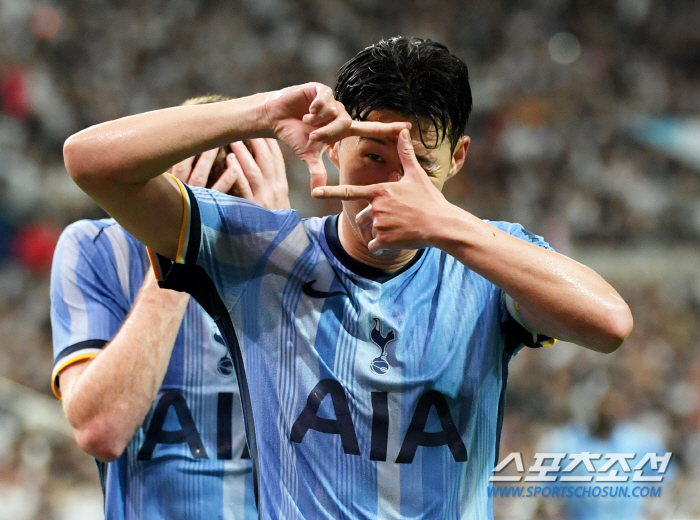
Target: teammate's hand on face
[309, 119]
[401, 213]
[259, 177]
[197, 175]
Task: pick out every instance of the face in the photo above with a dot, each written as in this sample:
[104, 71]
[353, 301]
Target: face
[364, 161]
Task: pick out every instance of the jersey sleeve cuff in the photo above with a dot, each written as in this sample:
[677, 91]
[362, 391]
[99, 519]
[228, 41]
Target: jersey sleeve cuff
[78, 352]
[189, 240]
[535, 340]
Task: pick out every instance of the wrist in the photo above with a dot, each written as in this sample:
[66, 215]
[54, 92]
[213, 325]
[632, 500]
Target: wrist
[448, 227]
[263, 113]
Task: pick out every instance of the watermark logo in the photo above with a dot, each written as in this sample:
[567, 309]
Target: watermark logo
[573, 492]
[579, 467]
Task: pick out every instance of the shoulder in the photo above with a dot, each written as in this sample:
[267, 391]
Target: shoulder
[314, 225]
[85, 230]
[87, 243]
[223, 212]
[94, 231]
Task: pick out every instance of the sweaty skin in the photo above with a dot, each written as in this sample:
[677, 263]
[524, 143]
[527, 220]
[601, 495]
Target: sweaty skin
[118, 164]
[393, 205]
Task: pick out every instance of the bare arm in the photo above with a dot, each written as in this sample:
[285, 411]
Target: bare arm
[120, 163]
[107, 398]
[558, 296]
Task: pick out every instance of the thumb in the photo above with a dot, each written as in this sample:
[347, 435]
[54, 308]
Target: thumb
[407, 155]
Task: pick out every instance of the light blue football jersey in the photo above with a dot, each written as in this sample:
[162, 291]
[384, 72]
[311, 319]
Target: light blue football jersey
[189, 460]
[366, 394]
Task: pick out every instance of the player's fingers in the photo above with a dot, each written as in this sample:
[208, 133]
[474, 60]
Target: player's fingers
[279, 184]
[407, 156]
[263, 157]
[375, 247]
[201, 170]
[379, 130]
[365, 218]
[346, 192]
[342, 128]
[241, 188]
[251, 170]
[278, 159]
[228, 178]
[333, 131]
[323, 108]
[317, 170]
[182, 170]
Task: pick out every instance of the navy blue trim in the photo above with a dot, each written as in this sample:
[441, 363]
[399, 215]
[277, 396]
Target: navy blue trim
[164, 264]
[366, 271]
[99, 232]
[195, 229]
[505, 359]
[83, 345]
[102, 473]
[194, 280]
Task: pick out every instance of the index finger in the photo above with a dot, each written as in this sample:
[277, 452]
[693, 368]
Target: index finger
[335, 131]
[346, 192]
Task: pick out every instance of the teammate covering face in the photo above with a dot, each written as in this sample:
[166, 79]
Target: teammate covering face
[371, 347]
[145, 376]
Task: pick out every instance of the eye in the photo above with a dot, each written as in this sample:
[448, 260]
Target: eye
[374, 157]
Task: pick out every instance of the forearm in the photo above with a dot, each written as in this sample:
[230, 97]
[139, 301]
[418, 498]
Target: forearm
[137, 148]
[557, 296]
[120, 163]
[108, 401]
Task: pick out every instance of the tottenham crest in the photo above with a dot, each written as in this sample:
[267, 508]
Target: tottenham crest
[380, 365]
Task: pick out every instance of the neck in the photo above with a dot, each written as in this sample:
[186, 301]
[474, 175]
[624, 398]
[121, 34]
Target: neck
[355, 246]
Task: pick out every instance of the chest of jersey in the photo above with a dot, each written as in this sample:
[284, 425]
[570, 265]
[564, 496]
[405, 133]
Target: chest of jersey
[375, 369]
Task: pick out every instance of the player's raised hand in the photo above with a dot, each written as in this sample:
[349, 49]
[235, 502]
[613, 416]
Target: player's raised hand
[195, 174]
[259, 176]
[400, 213]
[309, 119]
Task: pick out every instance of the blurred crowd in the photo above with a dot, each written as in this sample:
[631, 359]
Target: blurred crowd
[556, 86]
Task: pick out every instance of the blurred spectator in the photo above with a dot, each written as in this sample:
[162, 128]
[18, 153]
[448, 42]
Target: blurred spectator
[33, 245]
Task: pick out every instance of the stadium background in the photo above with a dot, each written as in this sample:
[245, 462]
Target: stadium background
[569, 96]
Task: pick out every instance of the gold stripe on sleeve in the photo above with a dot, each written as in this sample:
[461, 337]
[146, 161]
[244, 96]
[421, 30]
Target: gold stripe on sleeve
[81, 356]
[179, 258]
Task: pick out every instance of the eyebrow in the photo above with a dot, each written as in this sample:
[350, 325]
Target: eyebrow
[421, 158]
[375, 140]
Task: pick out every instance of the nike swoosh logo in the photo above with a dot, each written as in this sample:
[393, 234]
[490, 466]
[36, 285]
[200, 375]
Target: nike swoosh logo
[309, 290]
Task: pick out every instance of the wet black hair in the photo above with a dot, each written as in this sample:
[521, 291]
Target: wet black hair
[415, 77]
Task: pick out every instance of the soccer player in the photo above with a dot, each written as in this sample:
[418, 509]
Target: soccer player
[370, 346]
[145, 377]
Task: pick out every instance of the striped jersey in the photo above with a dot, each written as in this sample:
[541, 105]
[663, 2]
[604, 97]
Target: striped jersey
[367, 395]
[189, 459]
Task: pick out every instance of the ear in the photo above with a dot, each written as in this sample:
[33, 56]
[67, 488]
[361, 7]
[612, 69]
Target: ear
[332, 153]
[459, 155]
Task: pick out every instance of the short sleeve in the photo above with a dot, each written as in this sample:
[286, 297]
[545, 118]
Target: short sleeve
[225, 242]
[89, 282]
[520, 232]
